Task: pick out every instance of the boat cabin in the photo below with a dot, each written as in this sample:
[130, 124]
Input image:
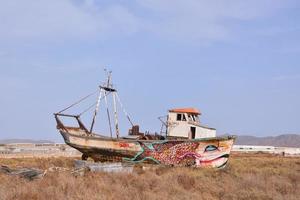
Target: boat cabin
[185, 123]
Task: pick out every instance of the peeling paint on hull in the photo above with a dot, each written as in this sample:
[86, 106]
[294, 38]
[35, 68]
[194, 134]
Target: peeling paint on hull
[207, 152]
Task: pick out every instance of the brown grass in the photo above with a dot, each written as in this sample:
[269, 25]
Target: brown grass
[250, 177]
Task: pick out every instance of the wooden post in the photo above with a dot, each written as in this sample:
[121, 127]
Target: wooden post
[96, 110]
[116, 115]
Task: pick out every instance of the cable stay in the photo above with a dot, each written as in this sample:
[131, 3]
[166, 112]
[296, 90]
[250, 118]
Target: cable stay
[124, 111]
[77, 102]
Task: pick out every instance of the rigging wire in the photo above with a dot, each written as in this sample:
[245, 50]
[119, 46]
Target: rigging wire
[77, 102]
[91, 106]
[118, 98]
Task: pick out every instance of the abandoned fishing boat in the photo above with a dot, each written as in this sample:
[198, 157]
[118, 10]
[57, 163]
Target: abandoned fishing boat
[182, 141]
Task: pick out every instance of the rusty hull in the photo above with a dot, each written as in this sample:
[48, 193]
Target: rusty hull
[207, 152]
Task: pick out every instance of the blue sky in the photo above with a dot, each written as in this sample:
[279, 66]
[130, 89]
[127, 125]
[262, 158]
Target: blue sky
[235, 60]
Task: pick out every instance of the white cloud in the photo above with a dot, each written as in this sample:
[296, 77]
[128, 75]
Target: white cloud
[117, 19]
[204, 20]
[61, 19]
[23, 19]
[198, 20]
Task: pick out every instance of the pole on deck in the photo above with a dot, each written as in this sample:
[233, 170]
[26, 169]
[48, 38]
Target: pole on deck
[108, 85]
[96, 110]
[116, 115]
[108, 116]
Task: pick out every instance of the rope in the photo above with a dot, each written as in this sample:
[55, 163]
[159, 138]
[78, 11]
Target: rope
[91, 106]
[78, 101]
[118, 98]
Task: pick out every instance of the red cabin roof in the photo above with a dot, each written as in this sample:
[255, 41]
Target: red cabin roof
[186, 110]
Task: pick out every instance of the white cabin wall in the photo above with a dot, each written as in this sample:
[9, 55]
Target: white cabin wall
[202, 132]
[177, 128]
[180, 131]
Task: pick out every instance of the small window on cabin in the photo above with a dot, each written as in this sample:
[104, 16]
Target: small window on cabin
[179, 117]
[193, 117]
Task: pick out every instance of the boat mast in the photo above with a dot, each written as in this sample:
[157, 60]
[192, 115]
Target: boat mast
[96, 110]
[108, 85]
[116, 115]
[105, 90]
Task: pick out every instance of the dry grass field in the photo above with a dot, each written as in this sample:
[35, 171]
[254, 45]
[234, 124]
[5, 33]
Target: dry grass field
[246, 177]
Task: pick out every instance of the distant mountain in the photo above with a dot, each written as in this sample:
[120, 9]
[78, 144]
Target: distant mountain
[7, 141]
[289, 140]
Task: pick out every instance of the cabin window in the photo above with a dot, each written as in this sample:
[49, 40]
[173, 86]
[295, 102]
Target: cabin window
[193, 118]
[181, 117]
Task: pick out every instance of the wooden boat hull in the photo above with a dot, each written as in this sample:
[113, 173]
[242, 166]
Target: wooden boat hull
[207, 152]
